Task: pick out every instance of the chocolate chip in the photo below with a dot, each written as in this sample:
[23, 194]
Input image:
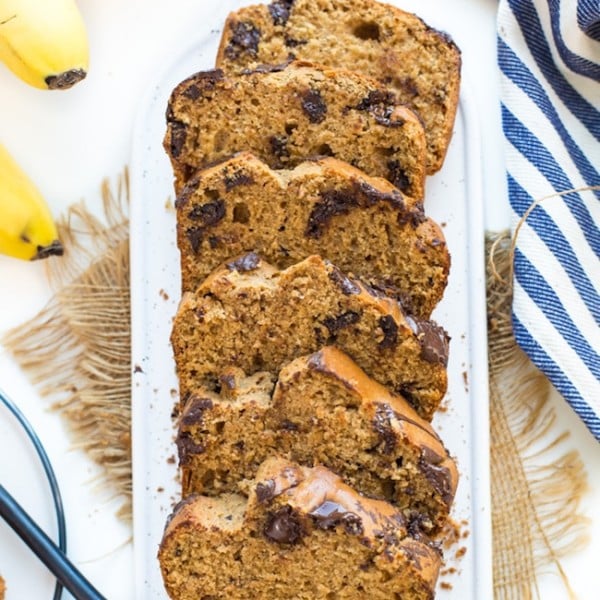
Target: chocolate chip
[210, 213]
[390, 332]
[397, 175]
[178, 131]
[314, 106]
[265, 491]
[280, 11]
[244, 40]
[289, 426]
[248, 262]
[334, 324]
[346, 284]
[283, 526]
[195, 235]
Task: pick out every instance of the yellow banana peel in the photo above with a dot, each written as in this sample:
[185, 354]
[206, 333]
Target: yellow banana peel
[44, 42]
[27, 230]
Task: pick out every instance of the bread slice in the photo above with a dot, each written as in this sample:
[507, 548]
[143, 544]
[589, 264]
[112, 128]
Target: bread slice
[302, 533]
[323, 410]
[420, 64]
[286, 114]
[251, 315]
[362, 224]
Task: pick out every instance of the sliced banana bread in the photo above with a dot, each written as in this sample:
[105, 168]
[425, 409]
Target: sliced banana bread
[362, 224]
[324, 410]
[286, 114]
[251, 315]
[420, 64]
[301, 534]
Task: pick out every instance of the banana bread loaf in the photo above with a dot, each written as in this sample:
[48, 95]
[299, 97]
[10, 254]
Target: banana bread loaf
[362, 224]
[420, 64]
[286, 114]
[323, 410]
[301, 534]
[251, 315]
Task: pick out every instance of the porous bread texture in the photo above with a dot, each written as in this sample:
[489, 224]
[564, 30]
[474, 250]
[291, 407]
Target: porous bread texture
[251, 315]
[362, 224]
[301, 534]
[323, 410]
[397, 48]
[287, 114]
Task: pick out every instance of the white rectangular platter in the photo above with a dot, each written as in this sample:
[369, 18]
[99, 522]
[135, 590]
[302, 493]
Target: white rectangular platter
[454, 199]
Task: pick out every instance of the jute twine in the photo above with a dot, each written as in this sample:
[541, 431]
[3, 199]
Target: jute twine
[77, 351]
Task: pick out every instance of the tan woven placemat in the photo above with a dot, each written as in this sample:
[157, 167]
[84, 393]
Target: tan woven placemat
[77, 351]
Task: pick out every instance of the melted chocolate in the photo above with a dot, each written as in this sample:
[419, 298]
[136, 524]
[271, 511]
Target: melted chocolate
[283, 526]
[278, 145]
[314, 106]
[381, 105]
[244, 40]
[195, 236]
[178, 136]
[333, 203]
[330, 514]
[345, 284]
[280, 11]
[382, 424]
[334, 324]
[209, 214]
[237, 178]
[390, 332]
[439, 476]
[186, 193]
[187, 447]
[433, 339]
[245, 263]
[194, 412]
[265, 491]
[397, 175]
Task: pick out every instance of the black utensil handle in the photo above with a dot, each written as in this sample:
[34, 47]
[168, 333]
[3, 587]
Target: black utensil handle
[45, 549]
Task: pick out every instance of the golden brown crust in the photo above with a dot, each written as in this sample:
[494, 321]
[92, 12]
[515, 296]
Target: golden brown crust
[293, 112]
[397, 48]
[362, 224]
[302, 532]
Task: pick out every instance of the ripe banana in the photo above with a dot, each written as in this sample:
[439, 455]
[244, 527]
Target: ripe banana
[27, 230]
[44, 42]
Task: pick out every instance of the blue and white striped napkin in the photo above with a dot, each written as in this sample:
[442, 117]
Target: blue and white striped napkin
[549, 58]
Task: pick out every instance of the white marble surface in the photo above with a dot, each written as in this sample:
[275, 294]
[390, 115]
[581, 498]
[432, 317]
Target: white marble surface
[68, 142]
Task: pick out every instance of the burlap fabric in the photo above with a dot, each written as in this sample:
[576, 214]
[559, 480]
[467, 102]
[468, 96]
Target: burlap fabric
[77, 351]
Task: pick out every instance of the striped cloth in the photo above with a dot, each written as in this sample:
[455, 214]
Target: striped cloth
[549, 58]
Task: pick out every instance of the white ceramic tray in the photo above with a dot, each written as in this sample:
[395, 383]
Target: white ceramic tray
[454, 198]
